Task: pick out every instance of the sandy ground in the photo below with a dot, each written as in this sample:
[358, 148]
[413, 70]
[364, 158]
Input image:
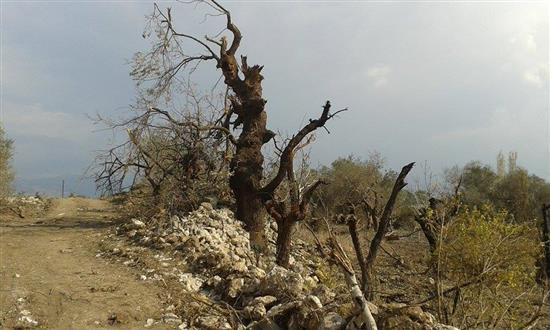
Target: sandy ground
[49, 274]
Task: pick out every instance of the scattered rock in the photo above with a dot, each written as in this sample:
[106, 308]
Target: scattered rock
[235, 286]
[213, 323]
[190, 282]
[324, 293]
[255, 311]
[332, 321]
[112, 319]
[137, 224]
[281, 281]
[313, 302]
[149, 323]
[171, 318]
[400, 316]
[264, 300]
[25, 312]
[214, 250]
[27, 321]
[214, 281]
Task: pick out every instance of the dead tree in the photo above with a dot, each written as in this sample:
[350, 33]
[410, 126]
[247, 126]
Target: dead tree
[434, 216]
[430, 223]
[367, 263]
[163, 149]
[291, 206]
[246, 109]
[333, 252]
[371, 210]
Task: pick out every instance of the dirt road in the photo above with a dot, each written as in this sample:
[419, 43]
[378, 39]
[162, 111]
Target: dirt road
[50, 277]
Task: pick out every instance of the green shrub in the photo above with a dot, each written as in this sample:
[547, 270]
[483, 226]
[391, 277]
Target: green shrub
[497, 259]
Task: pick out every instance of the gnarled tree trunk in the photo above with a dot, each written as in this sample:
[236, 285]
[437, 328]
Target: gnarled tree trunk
[246, 110]
[284, 238]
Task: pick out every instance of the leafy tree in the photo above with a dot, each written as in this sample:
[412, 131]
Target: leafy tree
[352, 180]
[518, 192]
[514, 192]
[362, 185]
[478, 182]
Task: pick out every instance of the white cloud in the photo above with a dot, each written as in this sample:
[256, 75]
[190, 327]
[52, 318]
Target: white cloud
[379, 75]
[34, 120]
[533, 78]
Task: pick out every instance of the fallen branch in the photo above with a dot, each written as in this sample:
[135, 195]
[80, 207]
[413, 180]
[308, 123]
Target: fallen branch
[338, 256]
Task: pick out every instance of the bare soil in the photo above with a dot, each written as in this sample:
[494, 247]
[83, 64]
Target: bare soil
[49, 273]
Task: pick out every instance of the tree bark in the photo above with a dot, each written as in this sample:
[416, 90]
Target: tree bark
[247, 164]
[247, 168]
[284, 239]
[383, 224]
[352, 226]
[428, 231]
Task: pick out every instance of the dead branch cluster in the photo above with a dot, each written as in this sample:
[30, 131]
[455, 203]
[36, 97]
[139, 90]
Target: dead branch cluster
[164, 148]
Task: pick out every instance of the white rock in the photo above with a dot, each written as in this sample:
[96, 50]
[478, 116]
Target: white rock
[190, 282]
[149, 323]
[313, 302]
[332, 321]
[25, 312]
[138, 223]
[235, 287]
[214, 281]
[255, 312]
[171, 318]
[213, 323]
[264, 300]
[28, 320]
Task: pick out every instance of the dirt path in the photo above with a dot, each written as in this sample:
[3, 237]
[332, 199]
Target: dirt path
[49, 274]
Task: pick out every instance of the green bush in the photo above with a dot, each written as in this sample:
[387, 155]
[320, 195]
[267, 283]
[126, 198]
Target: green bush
[496, 258]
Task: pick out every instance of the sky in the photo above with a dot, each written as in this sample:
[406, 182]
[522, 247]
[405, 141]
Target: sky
[437, 82]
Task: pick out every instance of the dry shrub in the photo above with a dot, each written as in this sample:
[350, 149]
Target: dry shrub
[6, 171]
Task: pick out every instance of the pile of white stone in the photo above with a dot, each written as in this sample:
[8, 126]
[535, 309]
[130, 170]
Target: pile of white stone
[27, 200]
[23, 206]
[221, 266]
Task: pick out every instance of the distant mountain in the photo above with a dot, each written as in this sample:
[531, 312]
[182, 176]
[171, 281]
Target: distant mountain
[51, 186]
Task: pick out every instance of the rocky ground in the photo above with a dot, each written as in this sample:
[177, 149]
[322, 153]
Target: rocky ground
[218, 282]
[22, 207]
[51, 278]
[76, 267]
